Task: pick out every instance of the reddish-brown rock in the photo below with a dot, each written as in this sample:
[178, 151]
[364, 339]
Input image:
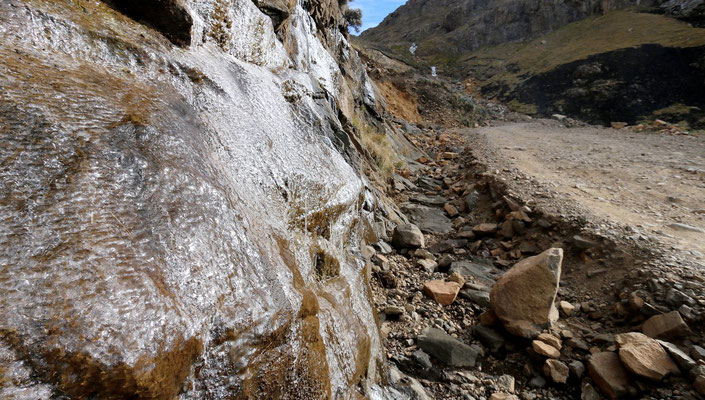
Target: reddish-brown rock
[644, 356]
[607, 371]
[665, 326]
[443, 292]
[545, 349]
[557, 371]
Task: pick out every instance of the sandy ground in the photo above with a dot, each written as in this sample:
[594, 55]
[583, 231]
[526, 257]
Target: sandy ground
[618, 180]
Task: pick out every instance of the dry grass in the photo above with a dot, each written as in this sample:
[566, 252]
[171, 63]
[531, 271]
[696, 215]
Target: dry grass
[379, 147]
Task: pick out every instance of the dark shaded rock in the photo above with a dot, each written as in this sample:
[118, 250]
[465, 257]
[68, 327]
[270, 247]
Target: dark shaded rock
[277, 10]
[169, 17]
[489, 337]
[478, 297]
[480, 272]
[446, 348]
[429, 220]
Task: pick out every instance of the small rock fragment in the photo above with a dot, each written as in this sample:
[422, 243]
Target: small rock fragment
[684, 362]
[444, 293]
[665, 326]
[446, 348]
[551, 340]
[545, 349]
[567, 308]
[407, 236]
[607, 372]
[557, 371]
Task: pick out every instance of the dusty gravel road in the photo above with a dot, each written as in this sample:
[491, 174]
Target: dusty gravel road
[643, 182]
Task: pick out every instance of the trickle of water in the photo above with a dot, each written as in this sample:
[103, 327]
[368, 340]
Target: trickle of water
[171, 224]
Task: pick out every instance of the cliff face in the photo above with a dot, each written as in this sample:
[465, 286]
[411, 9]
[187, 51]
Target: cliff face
[461, 25]
[182, 204]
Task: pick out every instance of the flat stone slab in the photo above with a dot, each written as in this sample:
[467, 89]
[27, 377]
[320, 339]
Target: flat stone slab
[446, 348]
[428, 219]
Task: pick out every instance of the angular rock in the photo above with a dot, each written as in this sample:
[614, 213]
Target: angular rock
[577, 368]
[524, 297]
[407, 236]
[589, 393]
[504, 396]
[429, 220]
[486, 229]
[488, 337]
[684, 362]
[557, 371]
[567, 308]
[644, 356]
[428, 265]
[471, 200]
[697, 352]
[607, 372]
[700, 384]
[545, 349]
[551, 340]
[423, 253]
[445, 261]
[444, 293]
[666, 326]
[446, 348]
[481, 298]
[451, 210]
[506, 383]
[479, 272]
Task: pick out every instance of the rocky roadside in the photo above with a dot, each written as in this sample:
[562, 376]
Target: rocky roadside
[483, 295]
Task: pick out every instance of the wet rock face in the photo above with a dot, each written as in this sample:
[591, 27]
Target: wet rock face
[169, 17]
[165, 213]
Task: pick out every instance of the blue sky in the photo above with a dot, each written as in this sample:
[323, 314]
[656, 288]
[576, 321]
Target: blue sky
[374, 11]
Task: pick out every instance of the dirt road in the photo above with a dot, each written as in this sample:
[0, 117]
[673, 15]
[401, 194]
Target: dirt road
[649, 187]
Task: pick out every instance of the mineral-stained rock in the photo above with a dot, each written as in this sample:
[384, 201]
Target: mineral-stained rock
[556, 370]
[524, 297]
[665, 326]
[607, 372]
[644, 356]
[446, 348]
[407, 236]
[443, 292]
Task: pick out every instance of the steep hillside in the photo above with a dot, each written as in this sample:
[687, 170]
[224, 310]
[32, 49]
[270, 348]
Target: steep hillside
[451, 27]
[596, 63]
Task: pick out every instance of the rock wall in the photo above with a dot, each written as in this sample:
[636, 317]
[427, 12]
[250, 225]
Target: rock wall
[471, 24]
[182, 206]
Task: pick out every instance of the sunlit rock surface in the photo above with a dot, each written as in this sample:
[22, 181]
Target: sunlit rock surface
[178, 220]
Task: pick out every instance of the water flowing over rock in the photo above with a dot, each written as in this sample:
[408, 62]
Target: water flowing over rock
[179, 221]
